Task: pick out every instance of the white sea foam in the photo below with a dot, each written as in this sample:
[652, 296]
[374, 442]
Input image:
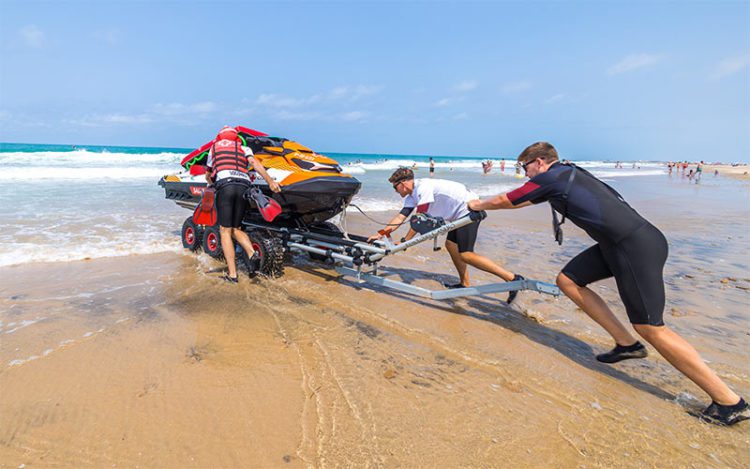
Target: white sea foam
[494, 189]
[392, 164]
[353, 169]
[78, 157]
[32, 174]
[373, 204]
[14, 326]
[23, 253]
[618, 173]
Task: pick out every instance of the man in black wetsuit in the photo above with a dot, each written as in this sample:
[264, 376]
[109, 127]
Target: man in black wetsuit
[628, 248]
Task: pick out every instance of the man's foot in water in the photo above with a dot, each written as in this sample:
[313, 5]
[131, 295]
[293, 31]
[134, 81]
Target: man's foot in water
[512, 295]
[726, 414]
[229, 279]
[623, 352]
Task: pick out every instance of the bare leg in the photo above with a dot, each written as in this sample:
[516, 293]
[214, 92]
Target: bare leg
[227, 246]
[463, 271]
[482, 263]
[685, 358]
[593, 305]
[243, 240]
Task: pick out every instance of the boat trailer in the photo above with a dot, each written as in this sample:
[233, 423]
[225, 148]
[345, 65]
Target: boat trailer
[354, 257]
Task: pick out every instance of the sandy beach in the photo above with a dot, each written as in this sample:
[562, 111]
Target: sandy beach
[736, 172]
[151, 361]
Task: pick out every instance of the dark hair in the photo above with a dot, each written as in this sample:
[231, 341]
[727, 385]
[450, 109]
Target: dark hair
[401, 174]
[542, 150]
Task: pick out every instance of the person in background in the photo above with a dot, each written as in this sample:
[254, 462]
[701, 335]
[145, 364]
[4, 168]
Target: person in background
[502, 165]
[432, 167]
[628, 248]
[227, 169]
[445, 199]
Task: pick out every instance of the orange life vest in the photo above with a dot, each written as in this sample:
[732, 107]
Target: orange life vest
[228, 155]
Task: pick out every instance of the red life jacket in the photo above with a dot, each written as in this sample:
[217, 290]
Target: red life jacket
[228, 154]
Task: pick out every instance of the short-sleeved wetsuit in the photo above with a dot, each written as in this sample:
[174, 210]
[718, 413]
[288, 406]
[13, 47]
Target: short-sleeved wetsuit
[628, 247]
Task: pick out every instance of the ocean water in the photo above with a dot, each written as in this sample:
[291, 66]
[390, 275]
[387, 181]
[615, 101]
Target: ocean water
[63, 203]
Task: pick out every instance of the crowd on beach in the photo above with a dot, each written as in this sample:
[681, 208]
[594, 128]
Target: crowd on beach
[692, 174]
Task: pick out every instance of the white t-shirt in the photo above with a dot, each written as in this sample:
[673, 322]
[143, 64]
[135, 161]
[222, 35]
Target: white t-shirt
[447, 199]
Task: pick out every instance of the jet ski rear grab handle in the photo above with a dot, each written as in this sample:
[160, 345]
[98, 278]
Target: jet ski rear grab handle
[352, 255]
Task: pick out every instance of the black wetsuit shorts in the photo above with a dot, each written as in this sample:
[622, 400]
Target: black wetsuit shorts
[230, 205]
[465, 237]
[637, 264]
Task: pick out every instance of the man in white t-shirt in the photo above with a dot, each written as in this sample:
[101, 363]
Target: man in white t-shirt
[445, 199]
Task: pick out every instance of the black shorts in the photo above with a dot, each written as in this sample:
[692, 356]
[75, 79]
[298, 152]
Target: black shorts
[230, 205]
[465, 237]
[637, 264]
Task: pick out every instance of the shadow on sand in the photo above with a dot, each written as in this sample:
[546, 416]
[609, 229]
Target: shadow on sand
[491, 310]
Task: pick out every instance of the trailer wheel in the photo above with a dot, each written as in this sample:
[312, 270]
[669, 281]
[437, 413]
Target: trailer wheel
[191, 234]
[212, 242]
[271, 252]
[326, 225]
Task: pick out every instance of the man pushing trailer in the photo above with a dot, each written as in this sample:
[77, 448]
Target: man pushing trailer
[447, 200]
[628, 248]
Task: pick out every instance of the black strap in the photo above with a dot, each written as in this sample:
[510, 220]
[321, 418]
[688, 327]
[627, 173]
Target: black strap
[557, 230]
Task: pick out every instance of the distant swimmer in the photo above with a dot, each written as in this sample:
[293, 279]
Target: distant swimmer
[502, 165]
[486, 166]
[628, 248]
[445, 199]
[432, 167]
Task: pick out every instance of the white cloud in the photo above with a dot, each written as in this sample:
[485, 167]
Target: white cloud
[633, 62]
[467, 85]
[461, 116]
[353, 116]
[101, 120]
[730, 66]
[33, 36]
[108, 36]
[338, 94]
[174, 113]
[555, 98]
[443, 102]
[184, 110]
[515, 87]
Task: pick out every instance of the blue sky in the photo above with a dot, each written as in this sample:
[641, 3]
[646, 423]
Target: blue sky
[600, 80]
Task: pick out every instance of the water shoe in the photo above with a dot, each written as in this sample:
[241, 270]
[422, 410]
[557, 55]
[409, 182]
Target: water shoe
[623, 352]
[512, 295]
[726, 414]
[229, 279]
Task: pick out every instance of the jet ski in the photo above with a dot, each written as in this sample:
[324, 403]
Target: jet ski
[314, 188]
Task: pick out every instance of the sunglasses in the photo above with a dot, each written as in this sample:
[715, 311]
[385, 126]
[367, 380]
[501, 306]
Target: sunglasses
[395, 186]
[526, 165]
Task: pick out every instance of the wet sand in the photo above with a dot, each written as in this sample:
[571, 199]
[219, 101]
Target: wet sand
[151, 361]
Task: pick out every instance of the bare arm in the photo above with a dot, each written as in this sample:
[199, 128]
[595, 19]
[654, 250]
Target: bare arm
[272, 184]
[392, 226]
[495, 203]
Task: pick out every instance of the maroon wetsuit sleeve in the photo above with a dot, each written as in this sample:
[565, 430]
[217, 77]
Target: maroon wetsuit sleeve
[423, 208]
[530, 191]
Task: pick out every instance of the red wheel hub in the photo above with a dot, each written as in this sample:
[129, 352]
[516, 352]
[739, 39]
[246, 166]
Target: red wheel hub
[213, 241]
[256, 248]
[190, 235]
